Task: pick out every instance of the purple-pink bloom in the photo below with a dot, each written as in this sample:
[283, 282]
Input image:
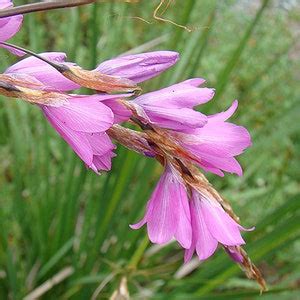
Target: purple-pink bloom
[216, 144]
[137, 67]
[82, 123]
[198, 223]
[172, 107]
[211, 225]
[167, 213]
[9, 27]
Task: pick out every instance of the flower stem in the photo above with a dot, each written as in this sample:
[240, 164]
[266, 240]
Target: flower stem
[41, 6]
[137, 255]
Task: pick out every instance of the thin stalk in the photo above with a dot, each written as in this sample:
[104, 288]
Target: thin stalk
[58, 67]
[41, 6]
[137, 255]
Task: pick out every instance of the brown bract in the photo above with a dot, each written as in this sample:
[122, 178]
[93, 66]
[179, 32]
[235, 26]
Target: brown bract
[131, 139]
[99, 82]
[24, 81]
[251, 271]
[23, 89]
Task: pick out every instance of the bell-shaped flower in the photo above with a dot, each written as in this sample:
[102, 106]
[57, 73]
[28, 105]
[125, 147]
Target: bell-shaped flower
[216, 144]
[172, 107]
[9, 26]
[167, 213]
[81, 120]
[211, 225]
[82, 123]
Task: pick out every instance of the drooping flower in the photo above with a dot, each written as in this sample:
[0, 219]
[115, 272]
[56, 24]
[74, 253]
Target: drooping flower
[82, 123]
[167, 213]
[216, 144]
[172, 107]
[211, 225]
[198, 222]
[9, 26]
[81, 120]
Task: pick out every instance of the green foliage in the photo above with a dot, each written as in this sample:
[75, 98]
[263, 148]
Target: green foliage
[56, 214]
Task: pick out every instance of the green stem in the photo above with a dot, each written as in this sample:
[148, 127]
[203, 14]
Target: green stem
[139, 252]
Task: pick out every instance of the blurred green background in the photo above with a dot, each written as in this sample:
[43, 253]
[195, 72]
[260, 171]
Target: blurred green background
[58, 218]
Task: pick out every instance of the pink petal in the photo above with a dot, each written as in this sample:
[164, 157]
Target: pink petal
[184, 230]
[220, 139]
[102, 162]
[149, 208]
[206, 244]
[227, 164]
[139, 67]
[5, 4]
[121, 113]
[176, 119]
[83, 114]
[234, 254]
[100, 143]
[162, 220]
[77, 140]
[188, 253]
[223, 116]
[209, 168]
[43, 72]
[176, 96]
[221, 226]
[8, 28]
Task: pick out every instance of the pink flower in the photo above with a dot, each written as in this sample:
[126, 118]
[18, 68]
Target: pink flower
[137, 67]
[172, 107]
[212, 142]
[198, 223]
[168, 214]
[82, 123]
[9, 26]
[216, 144]
[211, 225]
